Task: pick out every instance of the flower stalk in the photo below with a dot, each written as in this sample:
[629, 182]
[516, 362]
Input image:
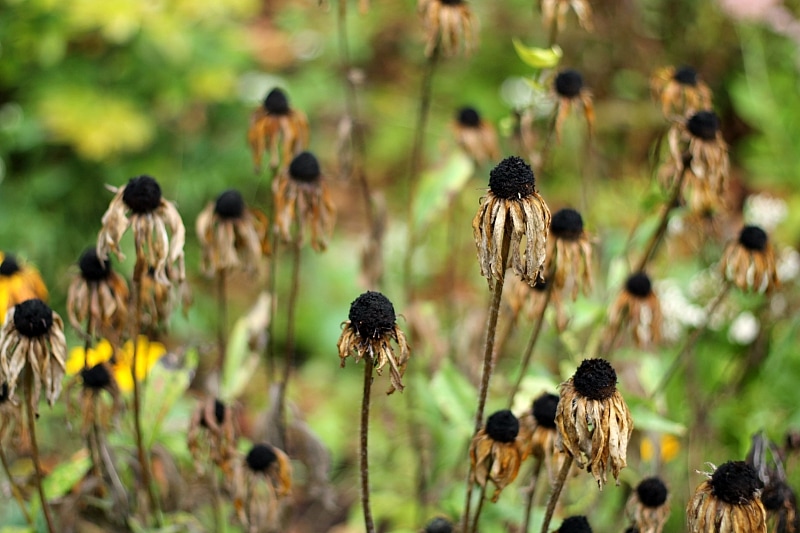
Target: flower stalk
[369, 524]
[30, 404]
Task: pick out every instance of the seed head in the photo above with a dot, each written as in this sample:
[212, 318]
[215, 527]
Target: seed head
[704, 125]
[9, 266]
[686, 75]
[439, 525]
[639, 285]
[4, 397]
[544, 410]
[736, 483]
[451, 2]
[33, 318]
[567, 224]
[276, 102]
[569, 83]
[776, 494]
[372, 315]
[92, 269]
[753, 238]
[652, 492]
[142, 194]
[469, 117]
[595, 379]
[229, 205]
[512, 178]
[219, 413]
[502, 426]
[304, 167]
[260, 458]
[575, 524]
[96, 377]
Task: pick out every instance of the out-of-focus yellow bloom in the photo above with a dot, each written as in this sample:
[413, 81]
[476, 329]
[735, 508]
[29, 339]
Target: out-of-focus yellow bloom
[148, 355]
[18, 282]
[668, 444]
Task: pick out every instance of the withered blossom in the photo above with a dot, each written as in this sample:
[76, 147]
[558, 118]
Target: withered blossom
[570, 90]
[749, 261]
[728, 502]
[639, 310]
[538, 432]
[555, 12]
[97, 296]
[476, 136]
[264, 481]
[570, 253]
[496, 452]
[680, 91]
[212, 436]
[438, 525]
[96, 380]
[277, 128]
[575, 524]
[450, 25]
[647, 506]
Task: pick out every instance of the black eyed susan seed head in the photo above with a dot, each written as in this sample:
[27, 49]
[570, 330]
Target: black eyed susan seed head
[632, 529]
[575, 524]
[540, 285]
[652, 492]
[229, 205]
[372, 315]
[304, 167]
[469, 117]
[9, 266]
[567, 224]
[753, 238]
[736, 483]
[639, 285]
[686, 75]
[260, 457]
[276, 102]
[33, 318]
[142, 194]
[219, 411]
[92, 269]
[96, 377]
[569, 83]
[512, 178]
[502, 426]
[544, 410]
[776, 494]
[704, 125]
[451, 2]
[595, 379]
[439, 525]
[4, 394]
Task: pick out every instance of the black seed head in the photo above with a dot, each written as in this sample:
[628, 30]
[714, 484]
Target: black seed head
[219, 414]
[632, 529]
[469, 117]
[276, 102]
[639, 285]
[230, 204]
[260, 457]
[372, 314]
[451, 2]
[33, 318]
[686, 76]
[704, 125]
[567, 224]
[569, 83]
[575, 524]
[540, 285]
[736, 483]
[652, 492]
[776, 495]
[544, 410]
[4, 393]
[304, 167]
[502, 426]
[92, 269]
[142, 194]
[439, 525]
[96, 377]
[9, 266]
[753, 238]
[595, 379]
[512, 178]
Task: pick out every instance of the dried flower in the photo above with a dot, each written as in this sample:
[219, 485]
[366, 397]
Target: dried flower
[680, 91]
[99, 296]
[538, 432]
[277, 128]
[728, 502]
[232, 235]
[302, 201]
[368, 332]
[18, 282]
[570, 252]
[264, 480]
[96, 379]
[638, 305]
[555, 12]
[594, 424]
[780, 502]
[439, 525]
[449, 24]
[212, 435]
[119, 359]
[476, 136]
[575, 524]
[496, 452]
[749, 261]
[33, 338]
[511, 210]
[647, 505]
[569, 90]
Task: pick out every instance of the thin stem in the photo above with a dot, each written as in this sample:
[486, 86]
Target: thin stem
[222, 324]
[289, 354]
[526, 357]
[368, 522]
[551, 503]
[269, 351]
[537, 468]
[482, 499]
[31, 407]
[15, 490]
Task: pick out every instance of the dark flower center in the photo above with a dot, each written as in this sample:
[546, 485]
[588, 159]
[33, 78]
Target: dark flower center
[753, 238]
[219, 413]
[567, 224]
[704, 125]
[735, 482]
[639, 285]
[632, 529]
[451, 2]
[260, 457]
[276, 102]
[544, 410]
[33, 318]
[4, 393]
[230, 204]
[469, 117]
[575, 524]
[686, 76]
[9, 266]
[372, 314]
[540, 285]
[439, 525]
[304, 167]
[595, 379]
[512, 178]
[776, 495]
[502, 426]
[569, 83]
[92, 269]
[142, 194]
[652, 492]
[96, 377]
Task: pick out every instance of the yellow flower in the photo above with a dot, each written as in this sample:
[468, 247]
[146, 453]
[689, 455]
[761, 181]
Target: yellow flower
[148, 355]
[669, 446]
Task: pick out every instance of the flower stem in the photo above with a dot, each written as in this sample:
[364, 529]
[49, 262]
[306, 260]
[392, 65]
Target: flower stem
[482, 499]
[526, 357]
[15, 490]
[31, 407]
[289, 353]
[551, 503]
[655, 239]
[365, 504]
[222, 325]
[537, 468]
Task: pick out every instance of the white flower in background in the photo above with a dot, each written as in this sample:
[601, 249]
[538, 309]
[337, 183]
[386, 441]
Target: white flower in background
[677, 311]
[788, 264]
[765, 211]
[744, 329]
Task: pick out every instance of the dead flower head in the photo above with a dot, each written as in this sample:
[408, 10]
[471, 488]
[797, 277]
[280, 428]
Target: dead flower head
[97, 379]
[32, 339]
[594, 424]
[231, 235]
[302, 202]
[639, 307]
[780, 502]
[749, 261]
[570, 90]
[438, 525]
[97, 296]
[555, 12]
[449, 25]
[265, 480]
[212, 435]
[575, 524]
[510, 211]
[476, 136]
[277, 128]
[158, 231]
[728, 501]
[18, 282]
[647, 506]
[571, 253]
[680, 91]
[368, 333]
[538, 432]
[497, 451]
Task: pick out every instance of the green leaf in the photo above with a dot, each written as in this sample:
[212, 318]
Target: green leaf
[438, 185]
[163, 388]
[646, 420]
[67, 474]
[538, 58]
[240, 360]
[455, 397]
